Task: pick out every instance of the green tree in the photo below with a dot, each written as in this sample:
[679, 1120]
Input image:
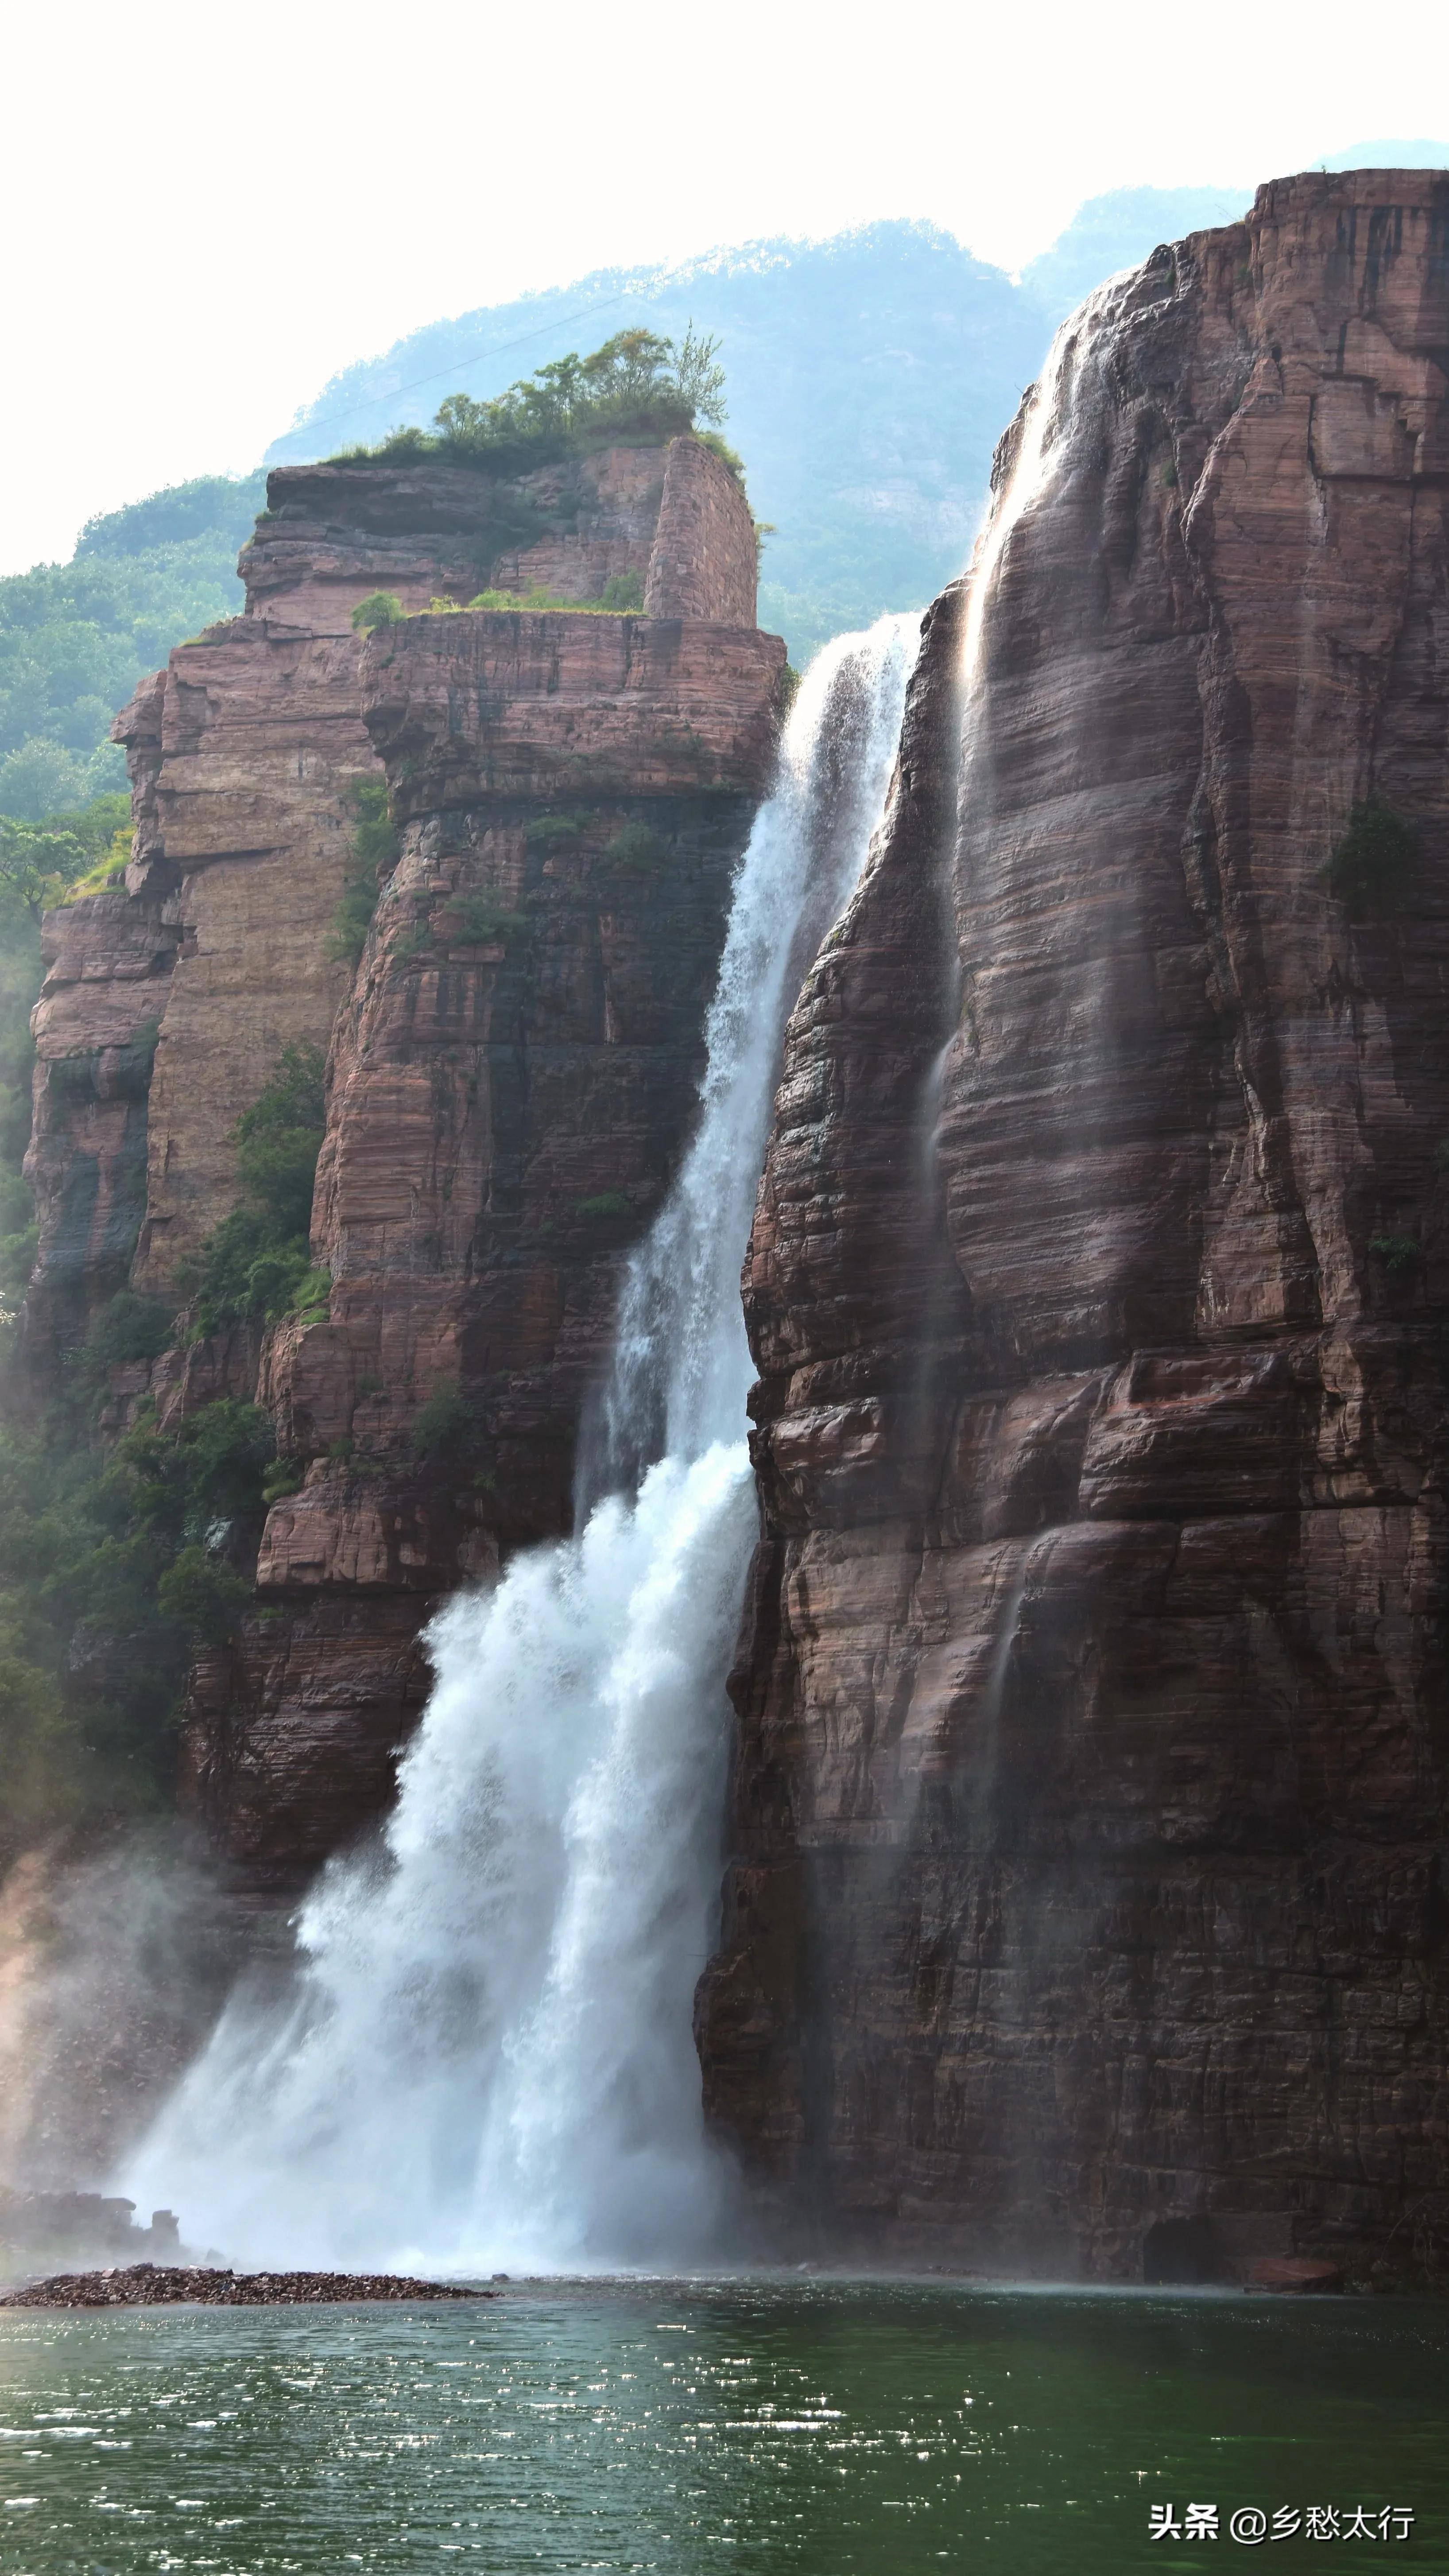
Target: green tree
[380, 608]
[374, 847]
[280, 1136]
[638, 384]
[256, 1265]
[40, 862]
[113, 1567]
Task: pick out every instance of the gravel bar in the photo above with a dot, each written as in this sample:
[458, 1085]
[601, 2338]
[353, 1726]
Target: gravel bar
[153, 2285]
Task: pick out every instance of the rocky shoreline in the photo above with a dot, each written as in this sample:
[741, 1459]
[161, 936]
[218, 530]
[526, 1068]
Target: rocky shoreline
[147, 2285]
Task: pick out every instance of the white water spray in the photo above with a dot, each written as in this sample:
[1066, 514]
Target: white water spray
[486, 2056]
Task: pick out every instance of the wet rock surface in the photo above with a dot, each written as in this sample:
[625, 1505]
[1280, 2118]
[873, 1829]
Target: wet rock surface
[1298, 2276]
[1090, 1797]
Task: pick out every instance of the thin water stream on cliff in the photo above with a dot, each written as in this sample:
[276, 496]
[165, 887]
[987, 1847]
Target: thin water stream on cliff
[486, 2055]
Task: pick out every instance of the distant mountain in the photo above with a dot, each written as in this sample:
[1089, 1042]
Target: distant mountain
[869, 378]
[1118, 231]
[1380, 155]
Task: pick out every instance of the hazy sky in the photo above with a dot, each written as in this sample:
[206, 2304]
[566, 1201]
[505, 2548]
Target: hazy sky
[210, 208]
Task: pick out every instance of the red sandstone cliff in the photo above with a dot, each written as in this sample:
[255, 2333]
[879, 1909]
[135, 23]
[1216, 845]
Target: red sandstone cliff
[512, 1080]
[1089, 1814]
[512, 1069]
[244, 752]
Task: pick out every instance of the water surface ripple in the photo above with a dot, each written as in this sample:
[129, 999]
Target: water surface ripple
[809, 2427]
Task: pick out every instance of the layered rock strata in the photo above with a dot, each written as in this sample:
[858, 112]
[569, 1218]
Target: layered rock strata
[1089, 1839]
[511, 1083]
[108, 968]
[244, 754]
[428, 527]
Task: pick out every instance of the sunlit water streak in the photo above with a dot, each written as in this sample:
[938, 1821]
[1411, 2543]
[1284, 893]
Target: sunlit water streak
[486, 2057]
[1029, 473]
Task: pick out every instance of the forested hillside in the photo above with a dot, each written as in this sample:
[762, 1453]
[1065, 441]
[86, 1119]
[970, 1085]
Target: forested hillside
[75, 638]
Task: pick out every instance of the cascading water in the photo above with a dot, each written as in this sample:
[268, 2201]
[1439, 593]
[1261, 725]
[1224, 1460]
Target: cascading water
[486, 2055]
[1028, 474]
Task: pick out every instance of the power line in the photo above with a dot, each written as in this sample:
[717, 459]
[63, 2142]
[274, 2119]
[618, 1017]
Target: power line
[396, 392]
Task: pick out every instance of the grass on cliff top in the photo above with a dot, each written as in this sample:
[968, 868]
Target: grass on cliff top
[623, 595]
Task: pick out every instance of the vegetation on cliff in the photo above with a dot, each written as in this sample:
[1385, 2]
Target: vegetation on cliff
[114, 1564]
[869, 379]
[638, 387]
[622, 596]
[115, 1559]
[119, 1555]
[374, 847]
[256, 1265]
[43, 864]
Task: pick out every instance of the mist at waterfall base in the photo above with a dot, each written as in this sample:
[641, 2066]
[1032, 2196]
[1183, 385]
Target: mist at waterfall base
[485, 2055]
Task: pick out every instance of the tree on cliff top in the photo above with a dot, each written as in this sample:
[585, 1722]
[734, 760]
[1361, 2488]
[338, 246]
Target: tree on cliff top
[638, 385]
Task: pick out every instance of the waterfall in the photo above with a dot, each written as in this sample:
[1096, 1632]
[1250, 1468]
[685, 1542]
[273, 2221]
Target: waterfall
[1029, 472]
[485, 2056]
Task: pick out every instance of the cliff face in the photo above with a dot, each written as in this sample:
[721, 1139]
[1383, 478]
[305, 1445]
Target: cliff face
[428, 528]
[1089, 1810]
[511, 1071]
[108, 967]
[512, 1080]
[244, 753]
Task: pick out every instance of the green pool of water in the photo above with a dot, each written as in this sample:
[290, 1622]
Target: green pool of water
[817, 2426]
